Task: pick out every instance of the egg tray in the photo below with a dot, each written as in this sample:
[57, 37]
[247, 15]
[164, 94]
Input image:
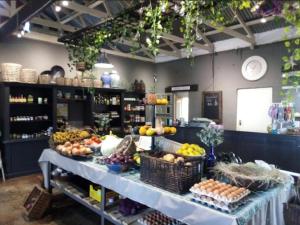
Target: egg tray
[230, 208]
[218, 198]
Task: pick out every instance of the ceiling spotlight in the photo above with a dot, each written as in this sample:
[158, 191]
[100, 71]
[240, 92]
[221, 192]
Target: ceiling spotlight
[22, 32]
[263, 20]
[57, 8]
[19, 35]
[65, 3]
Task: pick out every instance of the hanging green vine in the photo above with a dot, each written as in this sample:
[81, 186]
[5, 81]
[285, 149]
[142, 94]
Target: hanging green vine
[291, 13]
[153, 17]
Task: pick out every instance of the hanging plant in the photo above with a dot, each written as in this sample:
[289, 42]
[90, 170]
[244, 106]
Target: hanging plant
[153, 17]
[291, 13]
[86, 50]
[189, 22]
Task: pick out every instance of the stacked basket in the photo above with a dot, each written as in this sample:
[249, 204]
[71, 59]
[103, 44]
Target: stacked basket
[10, 72]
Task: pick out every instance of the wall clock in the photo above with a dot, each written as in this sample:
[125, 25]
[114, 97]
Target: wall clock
[254, 68]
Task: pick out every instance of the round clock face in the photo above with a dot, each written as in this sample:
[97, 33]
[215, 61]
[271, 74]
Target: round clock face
[254, 68]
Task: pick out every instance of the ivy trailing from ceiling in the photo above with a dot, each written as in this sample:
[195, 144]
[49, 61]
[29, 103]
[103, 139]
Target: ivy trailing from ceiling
[86, 50]
[153, 18]
[291, 13]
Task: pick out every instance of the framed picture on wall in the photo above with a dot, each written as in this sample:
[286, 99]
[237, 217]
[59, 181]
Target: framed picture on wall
[212, 105]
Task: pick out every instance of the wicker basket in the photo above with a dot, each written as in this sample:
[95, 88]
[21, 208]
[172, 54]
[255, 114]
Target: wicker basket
[291, 212]
[75, 82]
[10, 72]
[173, 177]
[68, 81]
[97, 83]
[44, 79]
[86, 82]
[28, 76]
[37, 203]
[60, 80]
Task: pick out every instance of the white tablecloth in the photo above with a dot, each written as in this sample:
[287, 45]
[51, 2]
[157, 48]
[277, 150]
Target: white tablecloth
[266, 212]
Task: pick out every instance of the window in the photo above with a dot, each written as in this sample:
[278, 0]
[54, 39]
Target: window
[182, 106]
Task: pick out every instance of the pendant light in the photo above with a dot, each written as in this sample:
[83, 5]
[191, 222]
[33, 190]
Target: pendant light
[103, 62]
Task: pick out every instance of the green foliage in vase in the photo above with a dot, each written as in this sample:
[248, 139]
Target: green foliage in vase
[213, 135]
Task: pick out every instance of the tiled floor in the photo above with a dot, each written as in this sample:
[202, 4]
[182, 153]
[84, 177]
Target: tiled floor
[14, 191]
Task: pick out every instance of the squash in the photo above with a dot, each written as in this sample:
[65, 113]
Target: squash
[109, 145]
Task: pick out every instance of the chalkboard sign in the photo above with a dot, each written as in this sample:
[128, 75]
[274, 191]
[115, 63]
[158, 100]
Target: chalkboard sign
[212, 105]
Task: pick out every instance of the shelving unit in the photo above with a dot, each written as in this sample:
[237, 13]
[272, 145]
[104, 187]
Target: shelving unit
[134, 110]
[109, 104]
[166, 112]
[20, 155]
[109, 213]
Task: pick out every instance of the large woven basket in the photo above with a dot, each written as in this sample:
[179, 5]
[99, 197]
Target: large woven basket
[97, 83]
[173, 177]
[68, 81]
[44, 79]
[28, 76]
[85, 82]
[10, 72]
[60, 80]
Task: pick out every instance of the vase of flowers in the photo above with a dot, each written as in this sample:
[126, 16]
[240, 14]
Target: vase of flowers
[211, 136]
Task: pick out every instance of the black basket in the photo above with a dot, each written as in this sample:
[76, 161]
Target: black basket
[173, 177]
[291, 212]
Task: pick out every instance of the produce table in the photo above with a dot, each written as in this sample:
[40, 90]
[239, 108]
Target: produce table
[264, 208]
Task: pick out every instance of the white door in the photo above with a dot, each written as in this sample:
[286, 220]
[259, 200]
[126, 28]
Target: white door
[252, 109]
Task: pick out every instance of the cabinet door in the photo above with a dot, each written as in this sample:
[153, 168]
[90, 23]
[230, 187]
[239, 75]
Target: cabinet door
[22, 157]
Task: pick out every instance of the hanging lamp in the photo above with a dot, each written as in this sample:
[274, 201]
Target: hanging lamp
[103, 62]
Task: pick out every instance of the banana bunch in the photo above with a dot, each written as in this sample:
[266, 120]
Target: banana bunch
[72, 136]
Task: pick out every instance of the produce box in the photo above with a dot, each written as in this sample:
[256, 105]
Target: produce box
[95, 192]
[177, 177]
[37, 203]
[291, 212]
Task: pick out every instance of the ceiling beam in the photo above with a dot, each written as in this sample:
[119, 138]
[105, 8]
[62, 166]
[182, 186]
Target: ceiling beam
[84, 9]
[69, 18]
[4, 12]
[27, 12]
[143, 47]
[242, 22]
[237, 26]
[53, 24]
[107, 8]
[175, 38]
[231, 32]
[206, 40]
[171, 45]
[126, 55]
[5, 4]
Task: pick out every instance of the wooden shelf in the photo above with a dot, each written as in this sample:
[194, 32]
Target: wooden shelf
[44, 138]
[31, 121]
[28, 104]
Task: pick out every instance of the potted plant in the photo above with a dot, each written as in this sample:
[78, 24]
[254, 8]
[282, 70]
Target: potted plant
[211, 136]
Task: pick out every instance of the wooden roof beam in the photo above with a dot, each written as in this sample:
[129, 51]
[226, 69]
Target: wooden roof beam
[53, 24]
[181, 40]
[237, 26]
[69, 18]
[231, 32]
[84, 9]
[127, 55]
